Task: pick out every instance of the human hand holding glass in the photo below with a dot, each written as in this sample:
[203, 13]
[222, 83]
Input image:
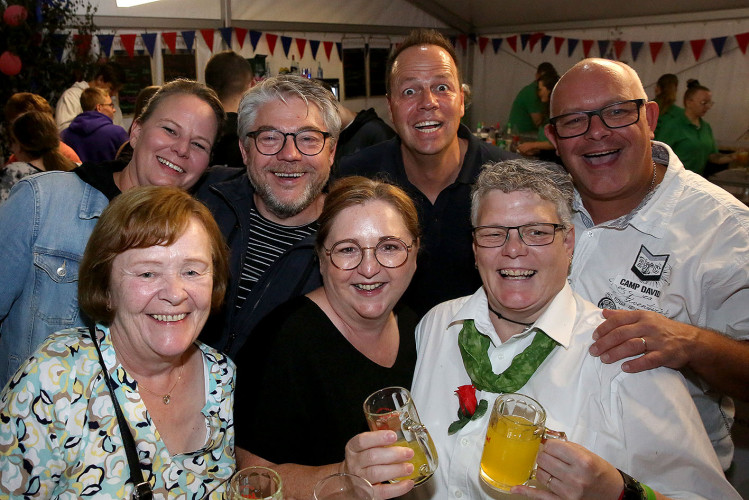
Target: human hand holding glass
[255, 482]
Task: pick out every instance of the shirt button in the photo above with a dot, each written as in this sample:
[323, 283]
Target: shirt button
[465, 442]
[458, 494]
[590, 234]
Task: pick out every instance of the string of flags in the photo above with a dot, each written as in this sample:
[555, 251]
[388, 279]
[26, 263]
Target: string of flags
[128, 41]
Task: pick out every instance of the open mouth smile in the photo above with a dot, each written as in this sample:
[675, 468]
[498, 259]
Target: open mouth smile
[516, 274]
[428, 126]
[368, 287]
[168, 318]
[169, 164]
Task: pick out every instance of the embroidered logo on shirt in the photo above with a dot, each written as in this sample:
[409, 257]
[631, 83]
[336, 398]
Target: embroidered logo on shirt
[649, 267]
[606, 303]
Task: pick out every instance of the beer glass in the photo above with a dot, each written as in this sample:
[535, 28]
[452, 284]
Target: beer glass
[516, 427]
[343, 486]
[255, 482]
[393, 409]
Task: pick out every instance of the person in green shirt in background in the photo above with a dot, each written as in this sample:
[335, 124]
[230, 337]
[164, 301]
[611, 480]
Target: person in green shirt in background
[665, 97]
[526, 114]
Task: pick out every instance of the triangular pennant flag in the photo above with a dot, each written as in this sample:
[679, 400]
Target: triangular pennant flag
[226, 35]
[241, 34]
[314, 45]
[743, 40]
[603, 47]
[286, 44]
[513, 41]
[558, 41]
[718, 44]
[497, 43]
[59, 40]
[463, 40]
[619, 48]
[587, 45]
[82, 43]
[339, 48]
[655, 47]
[571, 45]
[676, 48]
[255, 37]
[271, 39]
[524, 37]
[208, 37]
[534, 39]
[328, 47]
[301, 44]
[545, 42]
[697, 46]
[149, 40]
[483, 41]
[128, 41]
[170, 39]
[189, 38]
[105, 42]
[635, 47]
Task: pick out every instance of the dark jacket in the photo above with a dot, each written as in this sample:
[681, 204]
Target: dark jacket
[94, 137]
[228, 194]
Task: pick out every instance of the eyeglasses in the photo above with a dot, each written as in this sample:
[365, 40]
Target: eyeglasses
[616, 115]
[536, 234]
[389, 252]
[110, 104]
[707, 104]
[271, 142]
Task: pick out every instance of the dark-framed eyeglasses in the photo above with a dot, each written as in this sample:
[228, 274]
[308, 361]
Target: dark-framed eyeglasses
[271, 142]
[348, 254]
[536, 234]
[617, 115]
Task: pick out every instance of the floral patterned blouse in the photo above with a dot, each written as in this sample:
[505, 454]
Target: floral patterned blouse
[59, 436]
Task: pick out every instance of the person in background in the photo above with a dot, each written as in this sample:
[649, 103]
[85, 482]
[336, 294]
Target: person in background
[526, 331]
[22, 102]
[435, 159]
[331, 348]
[541, 147]
[92, 134]
[109, 77]
[154, 267]
[665, 97]
[360, 130]
[35, 142]
[125, 153]
[268, 212]
[527, 111]
[664, 252]
[689, 135]
[230, 75]
[48, 218]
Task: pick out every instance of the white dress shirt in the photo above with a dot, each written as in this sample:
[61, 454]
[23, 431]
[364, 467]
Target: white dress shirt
[644, 423]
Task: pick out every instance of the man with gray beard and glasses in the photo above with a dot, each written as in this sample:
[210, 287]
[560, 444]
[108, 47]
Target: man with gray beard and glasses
[288, 127]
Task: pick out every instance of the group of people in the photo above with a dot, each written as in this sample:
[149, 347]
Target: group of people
[432, 261]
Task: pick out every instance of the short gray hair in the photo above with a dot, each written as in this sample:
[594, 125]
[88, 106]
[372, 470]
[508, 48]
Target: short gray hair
[281, 88]
[548, 180]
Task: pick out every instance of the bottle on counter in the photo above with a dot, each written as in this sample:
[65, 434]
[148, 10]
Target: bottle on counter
[319, 70]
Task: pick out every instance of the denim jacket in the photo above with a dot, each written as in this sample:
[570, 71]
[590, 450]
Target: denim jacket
[45, 224]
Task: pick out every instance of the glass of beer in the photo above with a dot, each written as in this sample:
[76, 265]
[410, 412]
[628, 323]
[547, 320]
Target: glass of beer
[343, 486]
[393, 409]
[255, 482]
[516, 427]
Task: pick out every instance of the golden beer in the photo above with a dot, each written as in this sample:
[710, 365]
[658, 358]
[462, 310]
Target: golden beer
[510, 451]
[422, 470]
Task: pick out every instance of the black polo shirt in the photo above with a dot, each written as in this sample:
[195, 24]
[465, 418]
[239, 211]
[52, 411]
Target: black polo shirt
[445, 268]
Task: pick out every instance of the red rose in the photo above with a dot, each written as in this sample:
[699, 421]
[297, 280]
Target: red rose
[467, 399]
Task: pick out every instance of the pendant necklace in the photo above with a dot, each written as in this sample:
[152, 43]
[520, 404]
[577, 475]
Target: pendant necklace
[166, 398]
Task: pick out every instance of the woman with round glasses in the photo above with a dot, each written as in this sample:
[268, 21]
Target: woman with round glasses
[308, 366]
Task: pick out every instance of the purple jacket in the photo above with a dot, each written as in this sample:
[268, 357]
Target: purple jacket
[94, 137]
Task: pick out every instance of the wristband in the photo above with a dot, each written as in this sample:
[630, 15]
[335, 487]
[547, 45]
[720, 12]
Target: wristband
[634, 490]
[648, 491]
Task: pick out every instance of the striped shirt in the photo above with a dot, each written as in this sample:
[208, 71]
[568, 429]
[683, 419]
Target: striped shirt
[267, 242]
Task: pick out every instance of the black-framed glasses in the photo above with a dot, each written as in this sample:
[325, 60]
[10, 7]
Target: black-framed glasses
[271, 142]
[536, 234]
[616, 115]
[389, 252]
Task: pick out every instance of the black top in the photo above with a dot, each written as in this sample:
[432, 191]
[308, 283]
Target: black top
[226, 150]
[366, 130]
[445, 267]
[101, 176]
[301, 385]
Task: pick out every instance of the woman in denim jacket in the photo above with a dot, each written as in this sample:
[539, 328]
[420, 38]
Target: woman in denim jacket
[47, 220]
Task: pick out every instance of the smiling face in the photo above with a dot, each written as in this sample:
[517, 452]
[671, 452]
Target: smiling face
[521, 280]
[173, 146]
[161, 296]
[288, 183]
[606, 164]
[426, 101]
[369, 291]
